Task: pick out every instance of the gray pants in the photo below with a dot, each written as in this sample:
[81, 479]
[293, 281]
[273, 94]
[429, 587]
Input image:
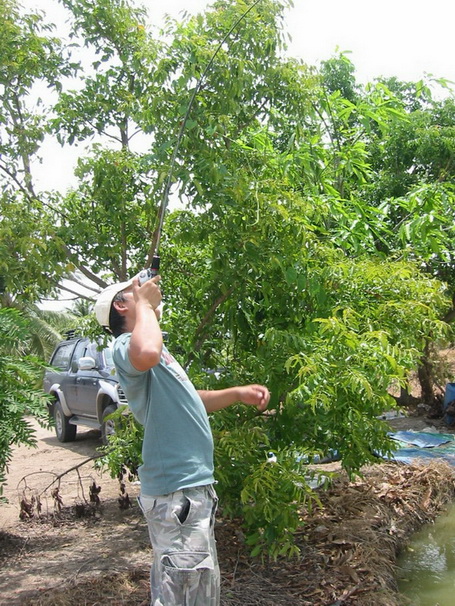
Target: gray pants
[185, 569]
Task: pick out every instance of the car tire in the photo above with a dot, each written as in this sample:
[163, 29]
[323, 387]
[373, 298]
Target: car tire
[66, 432]
[107, 425]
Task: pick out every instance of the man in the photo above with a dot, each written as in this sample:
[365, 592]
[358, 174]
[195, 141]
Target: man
[177, 494]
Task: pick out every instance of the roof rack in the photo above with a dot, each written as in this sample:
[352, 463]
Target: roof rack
[70, 334]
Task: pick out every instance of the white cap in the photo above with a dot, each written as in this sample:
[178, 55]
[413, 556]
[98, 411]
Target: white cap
[104, 301]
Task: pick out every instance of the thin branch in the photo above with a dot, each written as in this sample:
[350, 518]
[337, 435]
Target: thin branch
[211, 311]
[86, 272]
[60, 476]
[100, 131]
[73, 292]
[136, 132]
[61, 300]
[80, 283]
[13, 177]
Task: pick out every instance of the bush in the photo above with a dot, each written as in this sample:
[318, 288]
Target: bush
[20, 388]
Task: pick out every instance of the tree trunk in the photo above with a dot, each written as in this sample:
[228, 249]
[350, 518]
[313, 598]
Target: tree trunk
[406, 399]
[425, 375]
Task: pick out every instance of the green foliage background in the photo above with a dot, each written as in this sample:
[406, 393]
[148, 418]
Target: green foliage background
[20, 387]
[311, 248]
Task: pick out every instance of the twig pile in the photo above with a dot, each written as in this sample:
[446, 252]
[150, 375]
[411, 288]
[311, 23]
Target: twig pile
[348, 548]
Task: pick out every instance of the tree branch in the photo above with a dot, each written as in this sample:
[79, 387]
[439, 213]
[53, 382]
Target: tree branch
[73, 292]
[60, 476]
[86, 272]
[80, 283]
[200, 334]
[13, 177]
[449, 317]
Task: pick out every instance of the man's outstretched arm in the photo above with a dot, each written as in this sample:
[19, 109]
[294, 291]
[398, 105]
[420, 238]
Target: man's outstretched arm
[252, 395]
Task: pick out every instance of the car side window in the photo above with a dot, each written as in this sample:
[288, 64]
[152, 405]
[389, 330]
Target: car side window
[62, 356]
[92, 351]
[108, 358]
[79, 352]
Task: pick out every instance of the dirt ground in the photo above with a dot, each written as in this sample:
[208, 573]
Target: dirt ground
[63, 548]
[88, 557]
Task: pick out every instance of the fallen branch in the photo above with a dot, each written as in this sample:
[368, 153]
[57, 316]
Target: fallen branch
[61, 475]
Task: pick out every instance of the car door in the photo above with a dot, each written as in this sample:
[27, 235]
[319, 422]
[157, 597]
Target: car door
[60, 373]
[71, 385]
[87, 384]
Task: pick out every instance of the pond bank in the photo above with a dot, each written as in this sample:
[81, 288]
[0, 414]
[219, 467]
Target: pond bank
[364, 524]
[348, 548]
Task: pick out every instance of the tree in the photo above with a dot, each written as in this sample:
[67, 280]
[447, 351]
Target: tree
[286, 265]
[28, 56]
[338, 75]
[20, 379]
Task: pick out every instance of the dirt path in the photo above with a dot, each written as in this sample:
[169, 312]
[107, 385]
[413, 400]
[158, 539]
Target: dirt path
[71, 549]
[33, 469]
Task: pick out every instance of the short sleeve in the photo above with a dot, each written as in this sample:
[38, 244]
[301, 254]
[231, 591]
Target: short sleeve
[121, 357]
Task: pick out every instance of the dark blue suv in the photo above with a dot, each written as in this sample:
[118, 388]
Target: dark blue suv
[85, 388]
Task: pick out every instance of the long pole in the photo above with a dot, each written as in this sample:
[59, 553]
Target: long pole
[154, 269]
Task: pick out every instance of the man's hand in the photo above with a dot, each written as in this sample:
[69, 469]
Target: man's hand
[146, 341]
[149, 292]
[254, 395]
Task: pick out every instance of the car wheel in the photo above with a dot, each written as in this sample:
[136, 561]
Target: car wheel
[107, 425]
[66, 432]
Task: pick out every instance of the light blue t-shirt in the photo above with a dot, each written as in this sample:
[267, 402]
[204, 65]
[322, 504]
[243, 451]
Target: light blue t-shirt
[177, 451]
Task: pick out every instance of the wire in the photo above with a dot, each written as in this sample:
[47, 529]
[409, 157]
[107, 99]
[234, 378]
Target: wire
[165, 199]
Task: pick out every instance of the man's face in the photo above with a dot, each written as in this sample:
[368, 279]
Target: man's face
[129, 304]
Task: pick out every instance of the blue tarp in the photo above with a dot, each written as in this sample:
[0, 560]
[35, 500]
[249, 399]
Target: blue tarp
[415, 445]
[422, 439]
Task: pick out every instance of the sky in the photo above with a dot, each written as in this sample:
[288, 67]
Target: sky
[403, 38]
[388, 37]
